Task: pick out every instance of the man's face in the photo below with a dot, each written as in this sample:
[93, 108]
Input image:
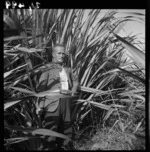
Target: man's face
[59, 54]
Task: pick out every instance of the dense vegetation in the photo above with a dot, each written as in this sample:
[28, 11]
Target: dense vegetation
[111, 70]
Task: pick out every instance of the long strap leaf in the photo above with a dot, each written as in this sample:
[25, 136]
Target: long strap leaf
[40, 131]
[66, 25]
[54, 93]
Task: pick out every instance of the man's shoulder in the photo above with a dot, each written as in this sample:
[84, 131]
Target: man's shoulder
[54, 65]
[49, 64]
[45, 66]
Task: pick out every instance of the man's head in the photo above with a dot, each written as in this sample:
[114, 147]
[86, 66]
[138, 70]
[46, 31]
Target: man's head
[58, 53]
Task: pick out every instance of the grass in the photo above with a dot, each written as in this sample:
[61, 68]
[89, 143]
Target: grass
[106, 139]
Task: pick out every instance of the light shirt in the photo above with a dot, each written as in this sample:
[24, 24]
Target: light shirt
[63, 79]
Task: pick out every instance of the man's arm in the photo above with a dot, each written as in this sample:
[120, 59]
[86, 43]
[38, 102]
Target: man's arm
[42, 85]
[42, 82]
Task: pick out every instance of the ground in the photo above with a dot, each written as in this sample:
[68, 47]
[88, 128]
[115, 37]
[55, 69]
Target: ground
[107, 139]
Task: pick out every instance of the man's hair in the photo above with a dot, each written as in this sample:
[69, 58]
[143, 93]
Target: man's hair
[58, 44]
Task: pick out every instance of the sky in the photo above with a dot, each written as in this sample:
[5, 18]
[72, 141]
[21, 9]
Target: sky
[130, 27]
[134, 27]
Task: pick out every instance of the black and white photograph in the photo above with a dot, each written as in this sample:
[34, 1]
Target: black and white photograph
[74, 79]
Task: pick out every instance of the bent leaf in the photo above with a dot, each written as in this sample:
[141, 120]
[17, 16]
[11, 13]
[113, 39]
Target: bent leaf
[100, 105]
[48, 132]
[23, 90]
[9, 72]
[9, 104]
[16, 140]
[110, 111]
[90, 90]
[137, 55]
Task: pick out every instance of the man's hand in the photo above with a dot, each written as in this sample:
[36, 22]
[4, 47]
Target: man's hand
[39, 111]
[66, 92]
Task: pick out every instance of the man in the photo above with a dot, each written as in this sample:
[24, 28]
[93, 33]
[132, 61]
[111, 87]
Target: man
[58, 111]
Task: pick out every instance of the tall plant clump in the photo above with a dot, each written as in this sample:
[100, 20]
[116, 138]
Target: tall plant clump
[110, 70]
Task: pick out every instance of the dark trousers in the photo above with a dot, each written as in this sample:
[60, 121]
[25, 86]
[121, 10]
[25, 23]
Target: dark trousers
[59, 121]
